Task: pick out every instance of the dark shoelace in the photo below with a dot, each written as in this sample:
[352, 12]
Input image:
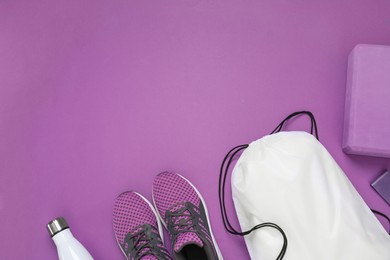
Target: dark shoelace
[185, 219]
[145, 242]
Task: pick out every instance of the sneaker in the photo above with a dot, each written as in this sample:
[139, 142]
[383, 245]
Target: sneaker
[183, 212]
[137, 228]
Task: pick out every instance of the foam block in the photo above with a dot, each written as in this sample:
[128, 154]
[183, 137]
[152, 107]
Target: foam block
[367, 102]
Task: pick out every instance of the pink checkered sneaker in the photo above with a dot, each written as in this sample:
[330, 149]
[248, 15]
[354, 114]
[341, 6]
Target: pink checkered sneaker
[183, 212]
[137, 228]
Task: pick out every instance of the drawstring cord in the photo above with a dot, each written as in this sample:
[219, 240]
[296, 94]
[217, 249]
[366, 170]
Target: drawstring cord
[221, 191]
[227, 161]
[308, 113]
[383, 215]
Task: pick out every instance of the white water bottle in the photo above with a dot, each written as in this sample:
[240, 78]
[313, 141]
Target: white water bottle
[68, 247]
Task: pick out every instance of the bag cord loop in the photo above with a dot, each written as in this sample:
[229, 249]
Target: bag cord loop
[227, 161]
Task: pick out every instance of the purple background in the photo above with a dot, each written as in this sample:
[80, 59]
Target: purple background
[96, 97]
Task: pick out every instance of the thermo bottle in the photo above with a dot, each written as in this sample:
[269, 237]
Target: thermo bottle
[68, 247]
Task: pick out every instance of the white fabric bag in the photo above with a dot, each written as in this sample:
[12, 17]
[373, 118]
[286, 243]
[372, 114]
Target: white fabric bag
[290, 179]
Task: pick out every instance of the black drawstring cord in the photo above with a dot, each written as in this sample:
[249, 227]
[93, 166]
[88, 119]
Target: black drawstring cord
[312, 118]
[221, 192]
[383, 215]
[222, 183]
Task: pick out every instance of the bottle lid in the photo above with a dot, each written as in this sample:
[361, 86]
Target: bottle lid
[57, 225]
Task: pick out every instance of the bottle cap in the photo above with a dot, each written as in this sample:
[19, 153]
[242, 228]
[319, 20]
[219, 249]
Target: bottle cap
[57, 225]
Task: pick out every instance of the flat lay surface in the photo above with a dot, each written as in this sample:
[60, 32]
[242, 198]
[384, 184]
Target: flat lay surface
[98, 97]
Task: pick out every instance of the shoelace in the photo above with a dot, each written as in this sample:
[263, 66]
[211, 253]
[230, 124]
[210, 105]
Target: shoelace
[182, 221]
[185, 219]
[146, 242]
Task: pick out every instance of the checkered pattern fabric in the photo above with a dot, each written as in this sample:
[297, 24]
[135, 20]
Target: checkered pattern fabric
[130, 212]
[172, 193]
[170, 189]
[132, 215]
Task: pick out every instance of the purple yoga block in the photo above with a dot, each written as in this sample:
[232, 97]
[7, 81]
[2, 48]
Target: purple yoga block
[367, 101]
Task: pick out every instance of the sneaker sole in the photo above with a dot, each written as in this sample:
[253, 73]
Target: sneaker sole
[160, 230]
[219, 254]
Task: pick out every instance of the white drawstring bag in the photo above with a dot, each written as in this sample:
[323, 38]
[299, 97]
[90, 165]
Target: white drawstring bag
[290, 179]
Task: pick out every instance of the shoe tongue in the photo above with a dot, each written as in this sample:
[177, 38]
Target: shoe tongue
[187, 238]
